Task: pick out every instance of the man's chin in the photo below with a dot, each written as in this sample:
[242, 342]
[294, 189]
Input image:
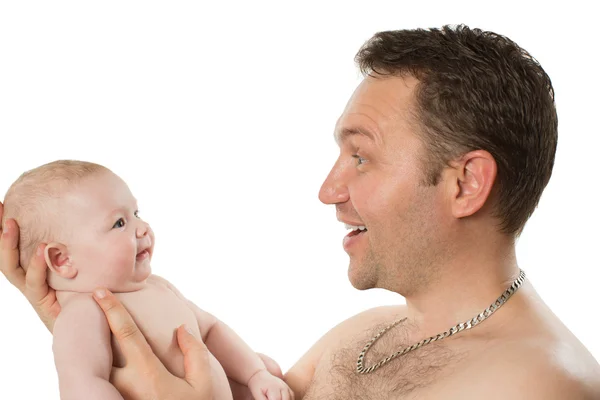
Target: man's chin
[360, 278]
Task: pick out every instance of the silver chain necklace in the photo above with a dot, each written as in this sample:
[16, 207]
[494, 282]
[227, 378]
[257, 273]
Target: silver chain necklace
[360, 367]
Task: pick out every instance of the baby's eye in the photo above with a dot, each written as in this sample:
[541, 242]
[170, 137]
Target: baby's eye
[136, 213]
[120, 223]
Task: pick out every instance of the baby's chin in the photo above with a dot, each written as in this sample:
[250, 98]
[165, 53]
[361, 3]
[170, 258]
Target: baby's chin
[137, 280]
[131, 286]
[142, 271]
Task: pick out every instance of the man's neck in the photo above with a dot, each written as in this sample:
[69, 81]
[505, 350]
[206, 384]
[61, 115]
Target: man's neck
[465, 286]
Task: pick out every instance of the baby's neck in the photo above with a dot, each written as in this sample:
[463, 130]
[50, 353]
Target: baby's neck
[87, 286]
[64, 296]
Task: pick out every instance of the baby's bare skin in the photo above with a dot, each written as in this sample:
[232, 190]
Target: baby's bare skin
[96, 238]
[157, 310]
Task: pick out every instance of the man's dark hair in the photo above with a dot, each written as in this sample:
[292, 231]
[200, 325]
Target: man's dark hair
[477, 90]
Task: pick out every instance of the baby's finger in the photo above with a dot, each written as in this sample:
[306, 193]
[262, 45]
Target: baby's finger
[257, 394]
[274, 394]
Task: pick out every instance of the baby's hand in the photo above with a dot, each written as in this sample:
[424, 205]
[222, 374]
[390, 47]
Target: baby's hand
[265, 386]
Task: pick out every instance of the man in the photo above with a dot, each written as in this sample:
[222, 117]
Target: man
[445, 149]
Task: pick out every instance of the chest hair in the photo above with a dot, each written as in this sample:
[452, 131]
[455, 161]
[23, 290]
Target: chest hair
[336, 377]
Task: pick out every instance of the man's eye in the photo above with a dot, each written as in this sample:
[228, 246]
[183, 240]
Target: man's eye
[359, 159]
[120, 223]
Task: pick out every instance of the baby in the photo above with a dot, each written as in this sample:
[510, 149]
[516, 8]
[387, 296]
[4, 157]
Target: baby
[96, 237]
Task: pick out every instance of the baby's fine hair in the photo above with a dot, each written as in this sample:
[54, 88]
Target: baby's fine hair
[29, 199]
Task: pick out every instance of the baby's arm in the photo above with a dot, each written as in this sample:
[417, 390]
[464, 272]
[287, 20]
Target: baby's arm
[82, 351]
[239, 361]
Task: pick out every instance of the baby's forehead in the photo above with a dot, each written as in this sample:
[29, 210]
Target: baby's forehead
[102, 191]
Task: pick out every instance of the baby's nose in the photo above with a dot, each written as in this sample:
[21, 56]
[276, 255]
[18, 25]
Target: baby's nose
[141, 230]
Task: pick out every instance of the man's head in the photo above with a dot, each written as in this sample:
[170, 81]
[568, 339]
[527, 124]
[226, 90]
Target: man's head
[452, 132]
[88, 218]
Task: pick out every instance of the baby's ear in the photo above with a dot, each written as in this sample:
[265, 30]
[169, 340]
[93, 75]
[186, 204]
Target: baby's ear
[59, 261]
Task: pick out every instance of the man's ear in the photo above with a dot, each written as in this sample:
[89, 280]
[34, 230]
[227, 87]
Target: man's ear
[59, 261]
[472, 180]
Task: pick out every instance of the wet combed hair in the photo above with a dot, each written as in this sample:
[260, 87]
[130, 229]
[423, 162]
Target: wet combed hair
[476, 90]
[28, 200]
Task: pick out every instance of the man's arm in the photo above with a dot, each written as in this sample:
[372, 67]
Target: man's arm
[83, 352]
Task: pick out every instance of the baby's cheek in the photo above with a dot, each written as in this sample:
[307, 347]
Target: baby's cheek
[125, 262]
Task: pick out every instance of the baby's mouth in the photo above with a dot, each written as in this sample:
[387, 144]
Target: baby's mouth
[142, 255]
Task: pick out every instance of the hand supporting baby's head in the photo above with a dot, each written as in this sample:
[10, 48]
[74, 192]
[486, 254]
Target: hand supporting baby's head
[88, 218]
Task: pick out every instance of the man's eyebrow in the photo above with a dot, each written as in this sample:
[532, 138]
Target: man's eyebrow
[341, 135]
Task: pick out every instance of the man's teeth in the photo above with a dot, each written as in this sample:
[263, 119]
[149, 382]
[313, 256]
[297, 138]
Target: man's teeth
[355, 228]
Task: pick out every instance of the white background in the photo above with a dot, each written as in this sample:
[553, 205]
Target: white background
[220, 118]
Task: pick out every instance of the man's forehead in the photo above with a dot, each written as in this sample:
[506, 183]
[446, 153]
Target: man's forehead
[342, 134]
[376, 102]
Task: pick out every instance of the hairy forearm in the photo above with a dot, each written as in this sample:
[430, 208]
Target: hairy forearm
[239, 361]
[89, 388]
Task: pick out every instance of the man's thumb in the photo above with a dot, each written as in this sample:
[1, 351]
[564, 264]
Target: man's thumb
[196, 360]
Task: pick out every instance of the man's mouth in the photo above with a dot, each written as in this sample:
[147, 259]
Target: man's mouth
[355, 229]
[352, 238]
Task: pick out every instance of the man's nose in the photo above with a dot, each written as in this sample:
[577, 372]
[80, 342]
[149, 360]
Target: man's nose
[334, 189]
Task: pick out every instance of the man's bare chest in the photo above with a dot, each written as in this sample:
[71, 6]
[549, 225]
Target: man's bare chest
[406, 377]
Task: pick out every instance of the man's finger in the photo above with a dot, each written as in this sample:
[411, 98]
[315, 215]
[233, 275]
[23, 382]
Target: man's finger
[1, 214]
[132, 342]
[10, 234]
[195, 359]
[9, 253]
[35, 279]
[122, 380]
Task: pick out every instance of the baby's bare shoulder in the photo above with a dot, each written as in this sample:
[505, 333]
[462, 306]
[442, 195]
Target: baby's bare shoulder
[160, 283]
[155, 280]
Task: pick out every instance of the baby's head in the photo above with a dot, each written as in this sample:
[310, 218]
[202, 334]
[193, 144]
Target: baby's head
[88, 218]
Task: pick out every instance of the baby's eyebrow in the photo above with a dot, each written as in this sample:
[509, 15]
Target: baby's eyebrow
[113, 214]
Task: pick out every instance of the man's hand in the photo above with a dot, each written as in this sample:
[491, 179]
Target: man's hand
[33, 285]
[144, 376]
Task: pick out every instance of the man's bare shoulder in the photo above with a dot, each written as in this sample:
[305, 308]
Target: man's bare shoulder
[301, 373]
[350, 326]
[535, 370]
[368, 318]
